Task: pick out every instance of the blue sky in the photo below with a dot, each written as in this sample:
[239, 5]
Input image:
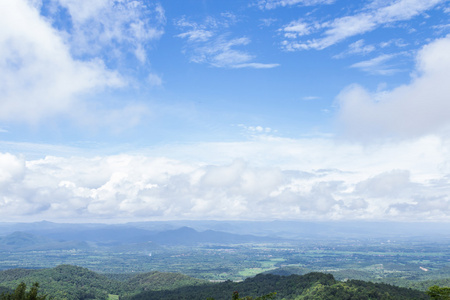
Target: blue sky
[113, 111]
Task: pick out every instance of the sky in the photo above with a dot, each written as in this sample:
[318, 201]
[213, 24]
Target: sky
[316, 110]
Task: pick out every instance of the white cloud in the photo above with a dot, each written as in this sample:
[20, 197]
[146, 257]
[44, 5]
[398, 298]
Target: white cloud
[375, 16]
[11, 168]
[418, 108]
[38, 76]
[206, 45]
[396, 42]
[377, 65]
[257, 130]
[298, 28]
[195, 32]
[198, 35]
[265, 178]
[221, 52]
[255, 66]
[97, 25]
[271, 4]
[357, 47]
[441, 28]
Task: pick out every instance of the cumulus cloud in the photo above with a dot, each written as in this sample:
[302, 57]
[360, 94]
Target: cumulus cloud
[268, 178]
[418, 108]
[50, 70]
[375, 15]
[38, 76]
[11, 168]
[388, 184]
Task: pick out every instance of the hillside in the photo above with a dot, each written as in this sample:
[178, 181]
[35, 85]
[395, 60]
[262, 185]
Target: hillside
[296, 287]
[158, 281]
[72, 283]
[63, 282]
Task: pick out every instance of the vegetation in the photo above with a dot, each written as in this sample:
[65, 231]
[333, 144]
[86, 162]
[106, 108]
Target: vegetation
[71, 283]
[21, 293]
[436, 292]
[137, 263]
[294, 287]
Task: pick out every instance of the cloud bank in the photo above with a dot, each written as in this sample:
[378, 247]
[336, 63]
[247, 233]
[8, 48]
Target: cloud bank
[269, 178]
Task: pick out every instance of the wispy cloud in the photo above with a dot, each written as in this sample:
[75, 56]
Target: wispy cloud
[255, 66]
[109, 27]
[400, 43]
[378, 65]
[299, 28]
[267, 22]
[222, 53]
[197, 35]
[271, 4]
[309, 98]
[358, 48]
[442, 28]
[252, 130]
[374, 16]
[154, 80]
[207, 44]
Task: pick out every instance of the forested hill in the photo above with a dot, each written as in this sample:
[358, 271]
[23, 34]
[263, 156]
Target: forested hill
[318, 286]
[71, 283]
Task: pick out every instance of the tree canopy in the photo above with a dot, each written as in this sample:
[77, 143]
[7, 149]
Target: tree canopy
[20, 293]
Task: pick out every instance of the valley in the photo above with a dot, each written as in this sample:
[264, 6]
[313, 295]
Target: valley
[399, 257]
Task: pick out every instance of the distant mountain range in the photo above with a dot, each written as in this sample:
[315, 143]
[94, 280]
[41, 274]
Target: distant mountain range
[23, 241]
[145, 231]
[152, 235]
[70, 237]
